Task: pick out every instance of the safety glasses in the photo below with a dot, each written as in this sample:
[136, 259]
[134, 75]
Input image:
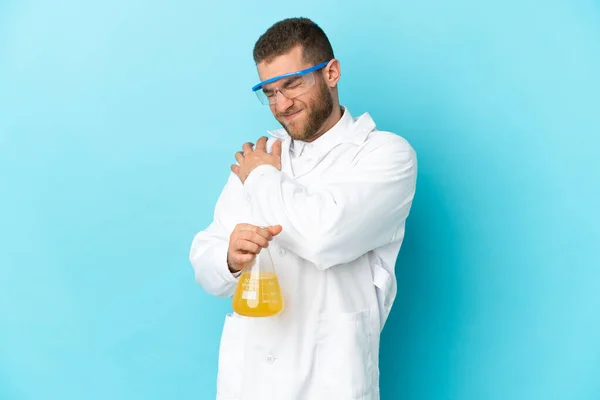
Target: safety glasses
[290, 85]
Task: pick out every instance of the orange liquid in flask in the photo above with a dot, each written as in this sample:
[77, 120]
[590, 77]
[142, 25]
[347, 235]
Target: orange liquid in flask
[258, 295]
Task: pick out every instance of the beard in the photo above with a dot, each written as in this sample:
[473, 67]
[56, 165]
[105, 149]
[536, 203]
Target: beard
[316, 115]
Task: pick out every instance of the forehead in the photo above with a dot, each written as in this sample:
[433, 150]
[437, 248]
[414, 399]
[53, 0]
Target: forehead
[291, 61]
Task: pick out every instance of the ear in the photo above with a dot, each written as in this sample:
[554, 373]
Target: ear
[332, 73]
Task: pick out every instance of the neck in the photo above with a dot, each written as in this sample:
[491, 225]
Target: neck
[333, 119]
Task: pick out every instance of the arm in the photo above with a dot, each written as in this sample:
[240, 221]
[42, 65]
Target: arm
[208, 254]
[363, 209]
[218, 254]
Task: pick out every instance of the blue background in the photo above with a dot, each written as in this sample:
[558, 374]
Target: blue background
[118, 123]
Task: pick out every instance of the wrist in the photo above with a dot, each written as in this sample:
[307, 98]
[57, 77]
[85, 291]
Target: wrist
[232, 269]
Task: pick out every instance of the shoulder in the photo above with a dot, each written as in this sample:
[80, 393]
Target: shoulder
[386, 148]
[275, 135]
[271, 141]
[381, 140]
[364, 133]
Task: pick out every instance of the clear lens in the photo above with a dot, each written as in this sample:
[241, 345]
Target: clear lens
[290, 87]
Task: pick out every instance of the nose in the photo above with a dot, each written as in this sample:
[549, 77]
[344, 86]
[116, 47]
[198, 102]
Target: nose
[282, 102]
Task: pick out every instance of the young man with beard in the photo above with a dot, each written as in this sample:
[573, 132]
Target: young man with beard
[332, 194]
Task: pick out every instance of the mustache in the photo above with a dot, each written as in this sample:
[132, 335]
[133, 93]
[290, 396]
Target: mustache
[288, 113]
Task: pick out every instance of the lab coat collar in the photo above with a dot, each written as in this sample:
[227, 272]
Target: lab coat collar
[347, 130]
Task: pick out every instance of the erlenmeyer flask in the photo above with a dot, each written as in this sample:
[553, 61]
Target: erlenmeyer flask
[258, 293]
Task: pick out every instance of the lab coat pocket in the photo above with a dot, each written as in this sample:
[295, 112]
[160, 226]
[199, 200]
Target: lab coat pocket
[231, 358]
[345, 365]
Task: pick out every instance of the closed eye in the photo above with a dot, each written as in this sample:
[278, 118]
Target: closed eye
[292, 83]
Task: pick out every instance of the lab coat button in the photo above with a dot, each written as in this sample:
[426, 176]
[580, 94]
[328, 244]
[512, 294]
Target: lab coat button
[270, 359]
[281, 252]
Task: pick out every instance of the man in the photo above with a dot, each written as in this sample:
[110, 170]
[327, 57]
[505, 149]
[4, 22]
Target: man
[328, 195]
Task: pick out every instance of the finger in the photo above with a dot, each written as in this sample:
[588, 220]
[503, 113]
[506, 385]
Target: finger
[262, 230]
[253, 233]
[245, 245]
[247, 148]
[242, 258]
[261, 144]
[276, 149]
[241, 227]
[236, 170]
[239, 157]
[255, 238]
[275, 230]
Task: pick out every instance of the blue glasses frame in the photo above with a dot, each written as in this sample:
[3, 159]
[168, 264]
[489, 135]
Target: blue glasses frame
[297, 73]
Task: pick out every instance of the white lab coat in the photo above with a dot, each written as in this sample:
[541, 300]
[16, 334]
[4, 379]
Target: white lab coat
[342, 201]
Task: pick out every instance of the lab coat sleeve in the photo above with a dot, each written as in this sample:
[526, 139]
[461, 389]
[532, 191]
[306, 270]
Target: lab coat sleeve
[208, 254]
[363, 208]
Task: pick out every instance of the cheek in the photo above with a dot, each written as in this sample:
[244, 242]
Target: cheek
[304, 102]
[312, 101]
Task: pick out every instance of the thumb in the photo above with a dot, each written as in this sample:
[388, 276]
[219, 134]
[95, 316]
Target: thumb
[275, 230]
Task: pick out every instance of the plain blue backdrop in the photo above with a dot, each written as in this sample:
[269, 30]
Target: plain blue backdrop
[118, 123]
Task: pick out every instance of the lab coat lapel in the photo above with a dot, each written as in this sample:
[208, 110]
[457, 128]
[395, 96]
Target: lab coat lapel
[286, 164]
